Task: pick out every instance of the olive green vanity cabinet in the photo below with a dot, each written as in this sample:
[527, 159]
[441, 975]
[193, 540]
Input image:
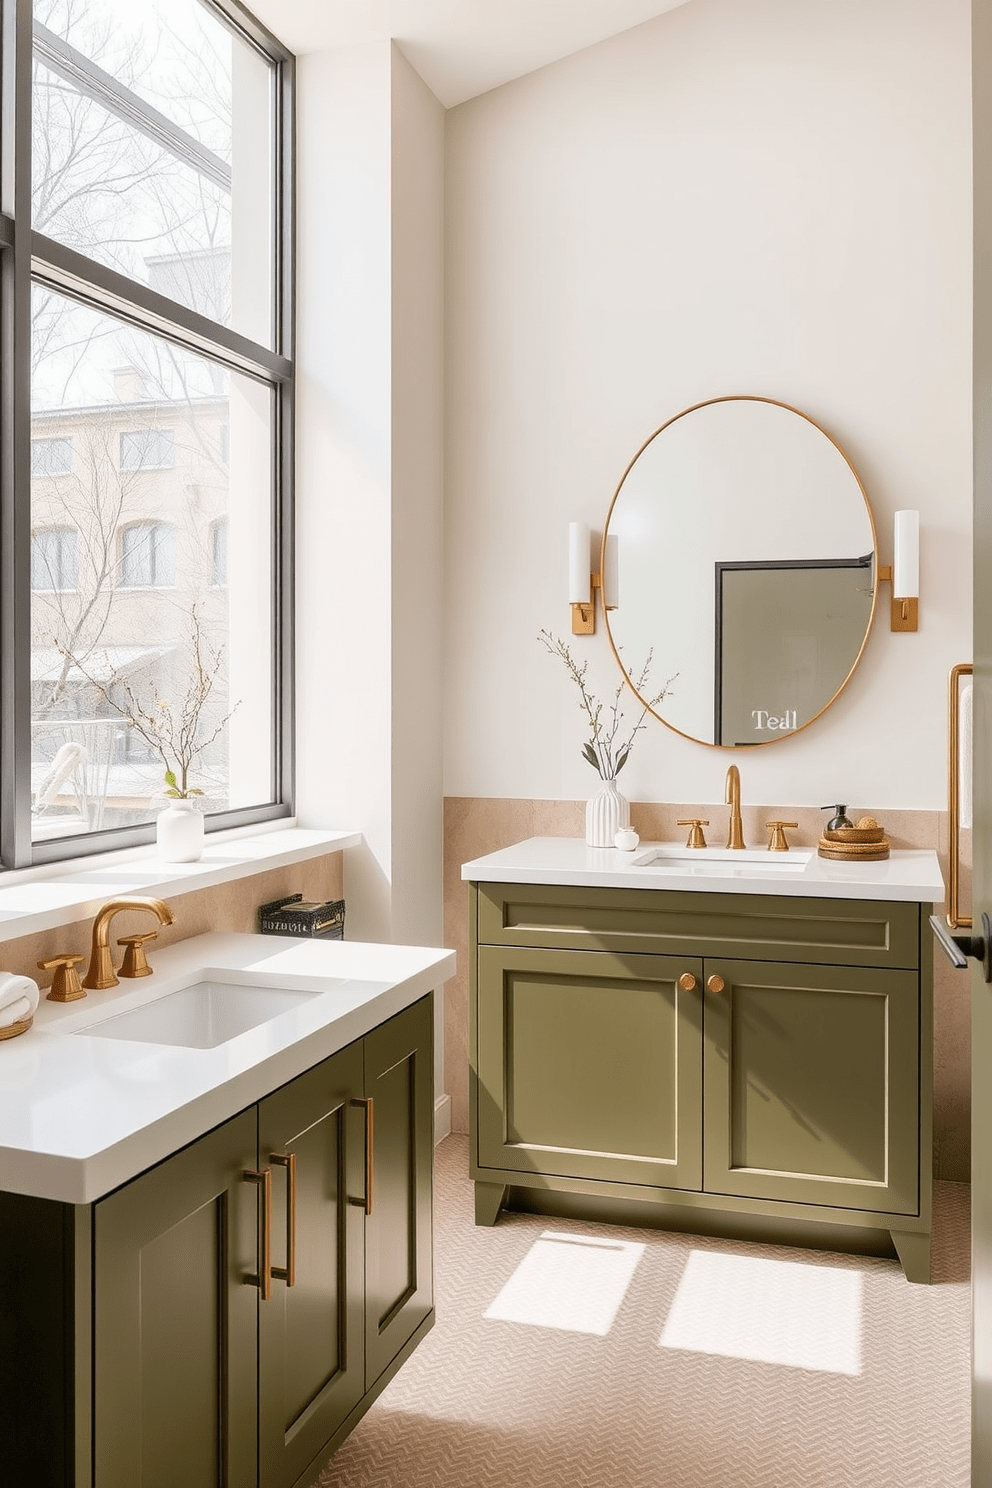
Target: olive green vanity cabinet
[184, 1363]
[704, 1055]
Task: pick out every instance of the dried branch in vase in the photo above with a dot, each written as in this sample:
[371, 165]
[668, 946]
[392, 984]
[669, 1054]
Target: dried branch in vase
[609, 746]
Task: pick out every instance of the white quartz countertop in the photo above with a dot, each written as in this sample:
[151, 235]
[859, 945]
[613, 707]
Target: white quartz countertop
[905, 875]
[81, 1114]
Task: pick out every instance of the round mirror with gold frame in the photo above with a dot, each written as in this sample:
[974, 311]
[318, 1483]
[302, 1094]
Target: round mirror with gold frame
[742, 547]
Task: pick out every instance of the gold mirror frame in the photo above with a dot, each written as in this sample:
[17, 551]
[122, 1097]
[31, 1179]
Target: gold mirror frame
[777, 403]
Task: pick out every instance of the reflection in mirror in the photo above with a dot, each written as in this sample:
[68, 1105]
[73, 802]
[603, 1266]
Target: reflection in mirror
[746, 560]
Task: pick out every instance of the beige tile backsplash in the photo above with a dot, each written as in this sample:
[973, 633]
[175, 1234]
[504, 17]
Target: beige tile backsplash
[477, 825]
[230, 906]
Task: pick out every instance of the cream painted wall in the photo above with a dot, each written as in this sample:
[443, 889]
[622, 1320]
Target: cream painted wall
[369, 478]
[740, 196]
[417, 503]
[369, 487]
[344, 465]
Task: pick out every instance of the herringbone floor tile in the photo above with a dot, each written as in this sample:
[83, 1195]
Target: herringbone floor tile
[879, 1399]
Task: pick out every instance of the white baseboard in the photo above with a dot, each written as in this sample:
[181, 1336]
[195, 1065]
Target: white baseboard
[442, 1118]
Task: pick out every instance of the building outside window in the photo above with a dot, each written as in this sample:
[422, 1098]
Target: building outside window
[55, 558]
[51, 457]
[148, 555]
[156, 308]
[148, 449]
[218, 551]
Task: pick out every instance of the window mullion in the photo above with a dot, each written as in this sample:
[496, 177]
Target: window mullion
[85, 76]
[69, 272]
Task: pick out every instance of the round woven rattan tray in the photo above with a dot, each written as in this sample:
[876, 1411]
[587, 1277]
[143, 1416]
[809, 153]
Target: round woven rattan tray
[876, 855]
[855, 835]
[13, 1029]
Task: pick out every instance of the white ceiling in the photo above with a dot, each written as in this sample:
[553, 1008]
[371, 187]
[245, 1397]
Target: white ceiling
[460, 47]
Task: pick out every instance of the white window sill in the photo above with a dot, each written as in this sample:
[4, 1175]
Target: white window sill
[43, 898]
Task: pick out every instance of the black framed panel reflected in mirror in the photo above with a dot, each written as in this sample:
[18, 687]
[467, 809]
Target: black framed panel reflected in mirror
[785, 633]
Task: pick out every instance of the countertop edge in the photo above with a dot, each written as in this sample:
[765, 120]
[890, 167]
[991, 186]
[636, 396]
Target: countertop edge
[84, 1179]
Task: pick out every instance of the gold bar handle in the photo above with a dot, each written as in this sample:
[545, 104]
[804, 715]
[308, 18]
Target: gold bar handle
[263, 1279]
[366, 1202]
[287, 1160]
[955, 919]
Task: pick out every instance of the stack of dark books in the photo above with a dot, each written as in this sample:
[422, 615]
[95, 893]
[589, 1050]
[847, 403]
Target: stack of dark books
[295, 915]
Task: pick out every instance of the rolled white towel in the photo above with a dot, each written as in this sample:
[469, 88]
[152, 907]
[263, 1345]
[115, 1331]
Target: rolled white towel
[15, 1011]
[18, 998]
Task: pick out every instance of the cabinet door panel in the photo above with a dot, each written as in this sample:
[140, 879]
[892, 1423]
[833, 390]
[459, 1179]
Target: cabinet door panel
[811, 1081]
[311, 1363]
[589, 1065]
[399, 1281]
[174, 1322]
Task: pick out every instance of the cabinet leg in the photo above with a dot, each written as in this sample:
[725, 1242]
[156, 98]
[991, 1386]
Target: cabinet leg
[489, 1200]
[913, 1250]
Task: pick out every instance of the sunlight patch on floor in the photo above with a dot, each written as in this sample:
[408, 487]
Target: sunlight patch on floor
[569, 1282]
[774, 1312]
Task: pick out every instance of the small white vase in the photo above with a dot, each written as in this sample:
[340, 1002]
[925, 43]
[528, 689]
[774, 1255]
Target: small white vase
[179, 832]
[606, 813]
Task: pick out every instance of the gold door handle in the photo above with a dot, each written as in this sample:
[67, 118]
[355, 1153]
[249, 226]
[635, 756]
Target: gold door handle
[366, 1202]
[687, 982]
[287, 1273]
[715, 983]
[263, 1278]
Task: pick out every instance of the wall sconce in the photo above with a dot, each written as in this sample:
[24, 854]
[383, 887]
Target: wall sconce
[905, 571]
[584, 579]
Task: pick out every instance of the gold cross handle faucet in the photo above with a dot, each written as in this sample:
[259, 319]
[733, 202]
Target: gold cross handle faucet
[100, 973]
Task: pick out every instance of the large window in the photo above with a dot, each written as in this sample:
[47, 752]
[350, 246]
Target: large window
[154, 393]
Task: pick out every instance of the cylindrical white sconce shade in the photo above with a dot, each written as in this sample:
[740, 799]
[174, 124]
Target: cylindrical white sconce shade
[906, 556]
[579, 565]
[611, 572]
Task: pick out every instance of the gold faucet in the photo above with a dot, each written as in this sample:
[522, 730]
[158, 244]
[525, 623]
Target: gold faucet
[100, 973]
[735, 836]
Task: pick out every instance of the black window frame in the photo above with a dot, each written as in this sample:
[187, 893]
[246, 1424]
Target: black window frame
[28, 257]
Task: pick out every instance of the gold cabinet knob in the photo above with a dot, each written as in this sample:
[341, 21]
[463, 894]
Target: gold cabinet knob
[697, 823]
[66, 986]
[715, 983]
[687, 982]
[777, 841]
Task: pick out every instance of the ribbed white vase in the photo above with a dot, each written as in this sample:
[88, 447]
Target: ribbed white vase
[179, 832]
[606, 813]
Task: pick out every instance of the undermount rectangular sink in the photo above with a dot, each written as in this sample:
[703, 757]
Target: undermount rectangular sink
[721, 861]
[199, 1017]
